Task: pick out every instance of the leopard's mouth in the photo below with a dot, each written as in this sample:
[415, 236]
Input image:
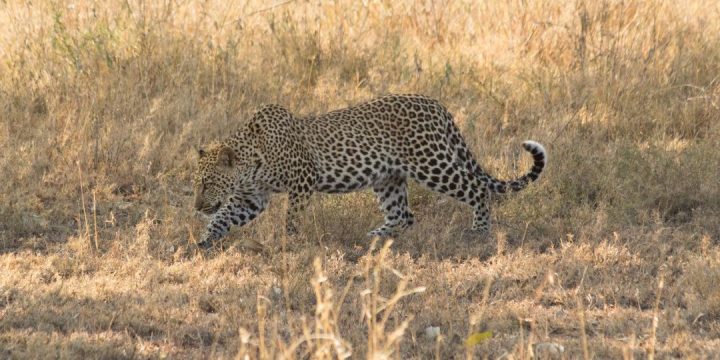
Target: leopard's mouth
[209, 210]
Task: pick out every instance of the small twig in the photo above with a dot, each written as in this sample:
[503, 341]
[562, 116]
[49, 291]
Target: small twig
[82, 200]
[581, 315]
[269, 7]
[192, 242]
[522, 242]
[97, 248]
[565, 126]
[655, 319]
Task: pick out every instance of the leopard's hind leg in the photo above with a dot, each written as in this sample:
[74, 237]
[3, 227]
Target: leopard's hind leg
[456, 182]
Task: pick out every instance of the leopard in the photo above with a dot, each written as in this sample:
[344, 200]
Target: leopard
[379, 144]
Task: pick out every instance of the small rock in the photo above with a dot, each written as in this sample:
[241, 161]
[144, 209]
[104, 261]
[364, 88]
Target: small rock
[431, 332]
[548, 350]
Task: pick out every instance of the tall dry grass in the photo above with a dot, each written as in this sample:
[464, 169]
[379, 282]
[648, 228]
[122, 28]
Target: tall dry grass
[104, 102]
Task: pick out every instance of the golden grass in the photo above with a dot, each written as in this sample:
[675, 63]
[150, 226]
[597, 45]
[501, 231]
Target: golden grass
[613, 253]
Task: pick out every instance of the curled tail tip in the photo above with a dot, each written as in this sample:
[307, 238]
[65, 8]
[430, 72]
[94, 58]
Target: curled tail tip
[534, 147]
[539, 159]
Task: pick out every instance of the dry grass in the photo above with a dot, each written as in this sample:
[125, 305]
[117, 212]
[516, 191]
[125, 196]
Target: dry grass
[614, 253]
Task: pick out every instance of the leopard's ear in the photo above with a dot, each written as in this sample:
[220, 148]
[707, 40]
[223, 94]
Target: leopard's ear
[201, 152]
[226, 157]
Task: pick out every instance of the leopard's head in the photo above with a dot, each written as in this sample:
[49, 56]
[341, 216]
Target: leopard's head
[214, 177]
[228, 166]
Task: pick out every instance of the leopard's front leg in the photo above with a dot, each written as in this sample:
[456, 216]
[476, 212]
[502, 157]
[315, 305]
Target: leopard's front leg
[238, 210]
[297, 202]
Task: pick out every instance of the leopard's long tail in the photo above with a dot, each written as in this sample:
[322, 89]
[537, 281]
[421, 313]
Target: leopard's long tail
[466, 158]
[539, 160]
